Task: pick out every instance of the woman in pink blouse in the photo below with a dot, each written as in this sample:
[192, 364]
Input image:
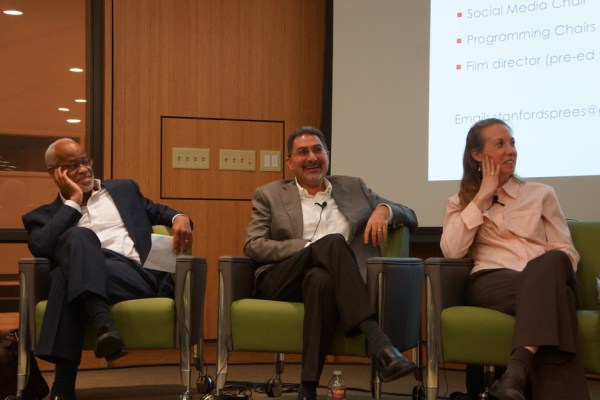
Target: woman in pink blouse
[524, 264]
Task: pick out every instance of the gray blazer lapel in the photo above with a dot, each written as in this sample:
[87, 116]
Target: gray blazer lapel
[291, 202]
[343, 198]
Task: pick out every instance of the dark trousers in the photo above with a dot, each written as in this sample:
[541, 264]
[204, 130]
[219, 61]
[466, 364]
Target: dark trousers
[543, 299]
[326, 278]
[82, 266]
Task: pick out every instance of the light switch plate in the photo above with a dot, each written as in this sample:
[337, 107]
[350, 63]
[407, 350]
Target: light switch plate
[237, 160]
[191, 158]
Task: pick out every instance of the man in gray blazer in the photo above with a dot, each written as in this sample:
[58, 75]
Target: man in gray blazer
[312, 236]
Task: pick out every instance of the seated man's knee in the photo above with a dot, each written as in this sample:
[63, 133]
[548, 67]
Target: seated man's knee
[333, 239]
[318, 279]
[77, 234]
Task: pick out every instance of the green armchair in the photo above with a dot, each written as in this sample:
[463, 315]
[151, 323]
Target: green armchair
[471, 335]
[255, 325]
[153, 323]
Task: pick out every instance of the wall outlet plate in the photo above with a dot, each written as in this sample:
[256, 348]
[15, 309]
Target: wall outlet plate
[270, 160]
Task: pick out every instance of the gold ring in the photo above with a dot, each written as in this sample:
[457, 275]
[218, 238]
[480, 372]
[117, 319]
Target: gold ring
[379, 230]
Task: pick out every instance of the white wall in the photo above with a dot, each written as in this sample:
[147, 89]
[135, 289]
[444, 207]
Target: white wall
[380, 106]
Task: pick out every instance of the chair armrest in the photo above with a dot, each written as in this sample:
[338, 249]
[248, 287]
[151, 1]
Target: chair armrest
[445, 281]
[192, 270]
[236, 281]
[34, 283]
[448, 278]
[236, 274]
[396, 289]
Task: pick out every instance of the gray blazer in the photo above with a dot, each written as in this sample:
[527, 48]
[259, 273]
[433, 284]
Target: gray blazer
[275, 229]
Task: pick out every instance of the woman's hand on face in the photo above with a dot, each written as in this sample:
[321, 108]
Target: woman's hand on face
[489, 183]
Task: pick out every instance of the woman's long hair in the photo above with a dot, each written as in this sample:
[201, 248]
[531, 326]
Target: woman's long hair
[471, 180]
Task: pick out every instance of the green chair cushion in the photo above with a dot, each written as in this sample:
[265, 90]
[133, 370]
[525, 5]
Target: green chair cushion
[467, 337]
[276, 326]
[465, 341]
[143, 323]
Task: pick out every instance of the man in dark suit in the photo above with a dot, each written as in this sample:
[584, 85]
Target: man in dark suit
[312, 236]
[98, 235]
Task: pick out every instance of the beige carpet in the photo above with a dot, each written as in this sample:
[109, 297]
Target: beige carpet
[162, 382]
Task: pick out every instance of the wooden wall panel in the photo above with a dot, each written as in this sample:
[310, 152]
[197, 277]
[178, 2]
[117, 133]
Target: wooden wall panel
[252, 60]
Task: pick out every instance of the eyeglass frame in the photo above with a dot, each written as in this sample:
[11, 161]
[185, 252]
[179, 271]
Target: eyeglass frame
[317, 150]
[75, 165]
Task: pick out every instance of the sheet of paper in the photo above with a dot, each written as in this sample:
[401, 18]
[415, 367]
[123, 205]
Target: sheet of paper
[161, 257]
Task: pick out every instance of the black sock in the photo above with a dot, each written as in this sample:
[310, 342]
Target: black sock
[97, 310]
[64, 380]
[376, 339]
[520, 362]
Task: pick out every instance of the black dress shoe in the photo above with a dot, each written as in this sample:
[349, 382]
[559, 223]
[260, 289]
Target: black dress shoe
[109, 344]
[391, 364]
[508, 388]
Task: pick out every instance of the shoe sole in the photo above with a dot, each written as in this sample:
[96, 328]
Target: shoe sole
[511, 394]
[118, 354]
[399, 373]
[108, 346]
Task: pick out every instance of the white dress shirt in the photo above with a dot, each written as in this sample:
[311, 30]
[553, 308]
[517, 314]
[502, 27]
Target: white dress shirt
[321, 220]
[101, 215]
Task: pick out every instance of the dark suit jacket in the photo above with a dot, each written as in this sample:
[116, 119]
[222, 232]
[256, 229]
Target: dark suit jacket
[276, 226]
[46, 223]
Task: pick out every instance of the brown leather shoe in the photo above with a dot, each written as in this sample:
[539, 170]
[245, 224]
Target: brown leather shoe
[391, 364]
[508, 388]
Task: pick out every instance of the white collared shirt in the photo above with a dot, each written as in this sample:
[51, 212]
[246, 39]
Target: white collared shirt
[320, 221]
[100, 214]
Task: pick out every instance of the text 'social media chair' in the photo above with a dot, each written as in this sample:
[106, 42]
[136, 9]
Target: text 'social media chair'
[253, 325]
[153, 323]
[471, 335]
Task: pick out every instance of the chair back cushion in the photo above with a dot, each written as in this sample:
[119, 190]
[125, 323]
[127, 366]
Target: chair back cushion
[586, 238]
[397, 243]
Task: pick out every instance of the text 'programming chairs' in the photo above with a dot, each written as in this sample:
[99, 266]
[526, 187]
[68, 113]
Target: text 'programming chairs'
[471, 335]
[254, 325]
[152, 323]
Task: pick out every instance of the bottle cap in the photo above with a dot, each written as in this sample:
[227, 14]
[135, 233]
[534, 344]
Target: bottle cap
[337, 372]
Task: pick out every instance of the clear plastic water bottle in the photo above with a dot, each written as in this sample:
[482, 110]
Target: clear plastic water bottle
[336, 388]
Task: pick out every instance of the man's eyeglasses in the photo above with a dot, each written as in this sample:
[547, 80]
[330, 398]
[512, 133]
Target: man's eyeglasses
[74, 166]
[305, 151]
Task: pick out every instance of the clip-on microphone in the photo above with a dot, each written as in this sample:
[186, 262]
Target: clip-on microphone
[495, 200]
[322, 205]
